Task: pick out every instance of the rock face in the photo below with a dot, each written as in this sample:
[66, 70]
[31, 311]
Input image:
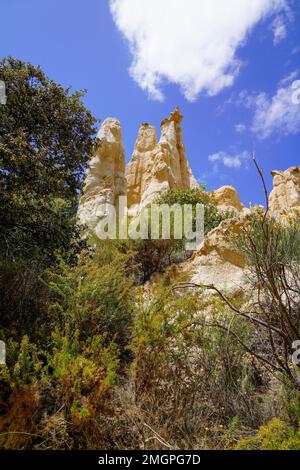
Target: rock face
[105, 177]
[227, 198]
[285, 196]
[156, 167]
[217, 262]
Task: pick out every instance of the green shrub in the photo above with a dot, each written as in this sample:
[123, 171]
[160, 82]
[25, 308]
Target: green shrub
[190, 377]
[276, 435]
[155, 256]
[93, 299]
[212, 215]
[272, 251]
[72, 375]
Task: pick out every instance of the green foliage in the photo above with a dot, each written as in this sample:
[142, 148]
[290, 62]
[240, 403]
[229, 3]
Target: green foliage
[276, 435]
[276, 242]
[166, 360]
[83, 370]
[23, 296]
[23, 364]
[92, 298]
[78, 374]
[46, 136]
[291, 402]
[212, 216]
[272, 251]
[155, 256]
[98, 359]
[187, 371]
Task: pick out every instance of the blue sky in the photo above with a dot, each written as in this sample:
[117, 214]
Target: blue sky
[229, 110]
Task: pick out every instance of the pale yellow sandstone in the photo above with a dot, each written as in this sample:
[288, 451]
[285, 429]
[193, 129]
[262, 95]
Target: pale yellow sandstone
[285, 197]
[227, 198]
[105, 178]
[156, 167]
[218, 262]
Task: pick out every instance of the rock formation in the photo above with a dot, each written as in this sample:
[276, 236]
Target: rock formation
[157, 167]
[285, 196]
[217, 261]
[227, 198]
[154, 168]
[105, 177]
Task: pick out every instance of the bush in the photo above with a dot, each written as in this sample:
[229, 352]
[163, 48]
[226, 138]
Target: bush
[93, 299]
[190, 378]
[276, 435]
[69, 383]
[155, 256]
[212, 216]
[272, 252]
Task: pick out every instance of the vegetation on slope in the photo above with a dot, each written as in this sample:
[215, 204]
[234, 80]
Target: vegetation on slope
[98, 359]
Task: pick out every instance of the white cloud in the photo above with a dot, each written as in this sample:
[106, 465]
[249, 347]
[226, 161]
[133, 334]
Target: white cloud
[277, 115]
[230, 161]
[188, 42]
[288, 79]
[279, 27]
[240, 128]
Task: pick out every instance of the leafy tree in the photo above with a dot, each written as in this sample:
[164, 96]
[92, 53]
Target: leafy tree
[156, 255]
[46, 136]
